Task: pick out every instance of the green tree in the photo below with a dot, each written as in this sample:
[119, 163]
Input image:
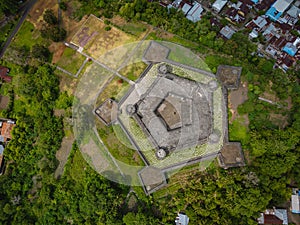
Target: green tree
[40, 52]
[49, 17]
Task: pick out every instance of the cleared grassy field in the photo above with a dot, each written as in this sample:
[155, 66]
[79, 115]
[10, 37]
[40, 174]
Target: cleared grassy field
[185, 56]
[118, 144]
[29, 36]
[238, 130]
[71, 60]
[115, 90]
[132, 28]
[133, 71]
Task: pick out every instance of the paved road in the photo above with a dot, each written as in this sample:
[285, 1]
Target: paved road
[26, 9]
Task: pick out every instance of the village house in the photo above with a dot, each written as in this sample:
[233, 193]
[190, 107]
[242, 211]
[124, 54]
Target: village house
[273, 216]
[182, 219]
[194, 14]
[219, 5]
[295, 201]
[278, 8]
[227, 32]
[4, 74]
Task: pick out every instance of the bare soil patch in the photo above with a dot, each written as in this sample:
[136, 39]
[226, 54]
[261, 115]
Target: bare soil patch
[58, 50]
[236, 98]
[4, 100]
[59, 112]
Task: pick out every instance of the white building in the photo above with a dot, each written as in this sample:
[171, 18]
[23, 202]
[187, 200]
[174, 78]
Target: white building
[295, 203]
[219, 5]
[186, 7]
[194, 14]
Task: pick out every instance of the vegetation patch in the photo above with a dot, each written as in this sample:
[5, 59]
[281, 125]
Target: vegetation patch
[29, 36]
[134, 70]
[118, 144]
[71, 60]
[114, 90]
[238, 130]
[5, 31]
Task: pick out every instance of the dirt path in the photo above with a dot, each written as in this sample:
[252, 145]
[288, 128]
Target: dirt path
[236, 98]
[62, 154]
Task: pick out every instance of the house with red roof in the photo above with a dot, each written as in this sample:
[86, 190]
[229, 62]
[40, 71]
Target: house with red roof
[4, 74]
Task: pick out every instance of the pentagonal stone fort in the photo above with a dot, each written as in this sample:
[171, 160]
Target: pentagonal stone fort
[175, 112]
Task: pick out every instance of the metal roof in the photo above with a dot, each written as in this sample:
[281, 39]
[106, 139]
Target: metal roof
[282, 5]
[227, 32]
[294, 11]
[182, 219]
[186, 8]
[219, 4]
[195, 13]
[295, 204]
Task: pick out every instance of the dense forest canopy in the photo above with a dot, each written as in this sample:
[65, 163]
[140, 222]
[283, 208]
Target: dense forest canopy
[9, 7]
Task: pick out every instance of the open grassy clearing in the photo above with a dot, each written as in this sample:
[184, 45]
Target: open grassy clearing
[134, 70]
[133, 28]
[185, 56]
[114, 90]
[71, 60]
[183, 42]
[118, 144]
[29, 36]
[67, 83]
[238, 130]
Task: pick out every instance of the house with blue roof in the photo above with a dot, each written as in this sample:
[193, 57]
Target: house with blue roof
[278, 8]
[290, 49]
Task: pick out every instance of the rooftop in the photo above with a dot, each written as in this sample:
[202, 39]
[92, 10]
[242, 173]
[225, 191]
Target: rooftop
[219, 5]
[182, 219]
[194, 14]
[227, 32]
[274, 216]
[282, 5]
